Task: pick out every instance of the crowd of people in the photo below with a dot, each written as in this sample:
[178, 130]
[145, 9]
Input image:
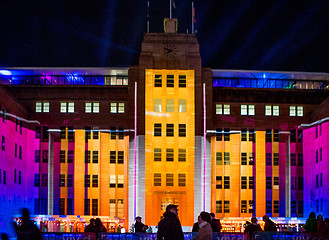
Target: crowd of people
[316, 224]
[96, 226]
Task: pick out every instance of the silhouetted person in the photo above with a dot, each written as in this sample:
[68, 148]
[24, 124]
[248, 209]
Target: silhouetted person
[215, 223]
[139, 226]
[27, 230]
[253, 227]
[170, 228]
[91, 226]
[195, 227]
[269, 224]
[311, 223]
[321, 225]
[99, 227]
[4, 237]
[205, 230]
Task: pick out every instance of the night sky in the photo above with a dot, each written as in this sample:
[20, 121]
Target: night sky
[280, 35]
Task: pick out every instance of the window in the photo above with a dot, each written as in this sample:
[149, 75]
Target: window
[170, 80]
[243, 206]
[247, 109]
[113, 133]
[293, 136]
[120, 181]
[20, 152]
[181, 180]
[87, 156]
[182, 81]
[112, 207]
[69, 209]
[67, 107]
[268, 110]
[226, 158]
[121, 108]
[223, 109]
[316, 180]
[293, 159]
[219, 182]
[268, 206]
[87, 207]
[252, 135]
[276, 111]
[268, 159]
[112, 181]
[3, 144]
[45, 132]
[170, 130]
[300, 183]
[268, 135]
[62, 156]
[36, 180]
[44, 156]
[158, 81]
[296, 111]
[170, 105]
[320, 154]
[182, 105]
[251, 206]
[37, 156]
[42, 107]
[69, 180]
[15, 176]
[157, 154]
[170, 155]
[292, 111]
[226, 206]
[37, 132]
[70, 133]
[88, 107]
[157, 179]
[227, 134]
[244, 135]
[251, 182]
[62, 180]
[87, 133]
[243, 158]
[300, 159]
[219, 109]
[4, 177]
[181, 155]
[113, 107]
[251, 158]
[120, 157]
[95, 181]
[268, 182]
[120, 133]
[300, 207]
[70, 156]
[62, 134]
[316, 156]
[182, 130]
[276, 207]
[92, 107]
[275, 159]
[157, 129]
[219, 158]
[300, 111]
[244, 183]
[320, 179]
[276, 137]
[62, 206]
[157, 105]
[94, 207]
[276, 181]
[219, 206]
[219, 134]
[113, 157]
[226, 182]
[44, 182]
[95, 156]
[169, 179]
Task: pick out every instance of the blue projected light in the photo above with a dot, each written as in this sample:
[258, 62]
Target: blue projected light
[5, 72]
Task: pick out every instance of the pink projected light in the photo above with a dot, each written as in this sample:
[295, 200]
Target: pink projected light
[204, 146]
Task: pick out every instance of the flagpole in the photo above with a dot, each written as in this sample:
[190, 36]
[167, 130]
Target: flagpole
[192, 17]
[170, 10]
[148, 16]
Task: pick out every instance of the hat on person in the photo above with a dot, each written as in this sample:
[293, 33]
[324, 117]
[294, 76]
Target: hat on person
[138, 217]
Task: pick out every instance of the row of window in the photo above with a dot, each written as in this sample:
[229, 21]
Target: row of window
[170, 81]
[318, 180]
[90, 107]
[271, 135]
[249, 109]
[17, 177]
[170, 129]
[170, 105]
[169, 180]
[170, 155]
[4, 178]
[318, 155]
[113, 204]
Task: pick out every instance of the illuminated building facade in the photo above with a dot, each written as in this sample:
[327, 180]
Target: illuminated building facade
[117, 143]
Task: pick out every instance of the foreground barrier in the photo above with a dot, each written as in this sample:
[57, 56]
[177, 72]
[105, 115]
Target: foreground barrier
[69, 236]
[288, 236]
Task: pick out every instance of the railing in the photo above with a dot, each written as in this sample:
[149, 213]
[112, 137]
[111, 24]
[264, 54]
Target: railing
[288, 236]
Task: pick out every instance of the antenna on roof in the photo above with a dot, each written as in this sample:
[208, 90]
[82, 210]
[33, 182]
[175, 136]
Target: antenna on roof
[148, 17]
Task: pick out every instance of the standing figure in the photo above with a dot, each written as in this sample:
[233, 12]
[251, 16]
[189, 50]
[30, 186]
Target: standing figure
[215, 223]
[269, 224]
[139, 226]
[170, 228]
[253, 227]
[321, 226]
[27, 230]
[205, 230]
[311, 223]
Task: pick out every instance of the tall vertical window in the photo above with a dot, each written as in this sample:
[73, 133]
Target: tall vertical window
[70, 107]
[276, 110]
[219, 158]
[169, 179]
[120, 157]
[20, 152]
[113, 108]
[3, 143]
[243, 158]
[70, 156]
[182, 105]
[293, 159]
[316, 156]
[243, 206]
[247, 109]
[244, 183]
[268, 206]
[157, 105]
[113, 133]
[113, 157]
[157, 179]
[182, 81]
[182, 130]
[181, 180]
[62, 156]
[251, 182]
[276, 181]
[170, 105]
[87, 156]
[121, 107]
[226, 158]
[94, 207]
[227, 133]
[87, 180]
[120, 208]
[157, 129]
[170, 155]
[112, 181]
[226, 182]
[181, 155]
[300, 111]
[69, 208]
[268, 159]
[320, 154]
[268, 135]
[276, 207]
[62, 180]
[252, 135]
[44, 182]
[62, 206]
[251, 206]
[276, 136]
[292, 111]
[112, 207]
[170, 80]
[38, 107]
[251, 158]
[268, 182]
[88, 108]
[158, 81]
[243, 135]
[69, 180]
[44, 156]
[95, 156]
[219, 206]
[15, 149]
[223, 109]
[268, 110]
[219, 182]
[120, 181]
[275, 159]
[226, 206]
[87, 207]
[95, 181]
[157, 154]
[63, 107]
[37, 156]
[219, 134]
[20, 177]
[170, 130]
